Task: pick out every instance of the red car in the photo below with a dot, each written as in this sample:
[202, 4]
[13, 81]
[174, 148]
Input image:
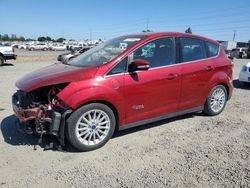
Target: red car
[124, 82]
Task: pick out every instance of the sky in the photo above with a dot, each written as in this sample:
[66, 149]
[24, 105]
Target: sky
[94, 19]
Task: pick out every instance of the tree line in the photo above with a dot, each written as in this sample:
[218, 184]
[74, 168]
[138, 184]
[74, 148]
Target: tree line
[14, 37]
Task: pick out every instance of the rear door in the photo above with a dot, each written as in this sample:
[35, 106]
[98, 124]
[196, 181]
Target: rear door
[196, 71]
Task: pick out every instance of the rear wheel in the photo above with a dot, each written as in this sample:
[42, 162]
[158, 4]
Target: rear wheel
[216, 101]
[1, 60]
[91, 126]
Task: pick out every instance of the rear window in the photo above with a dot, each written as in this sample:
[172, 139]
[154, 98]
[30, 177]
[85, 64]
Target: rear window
[192, 49]
[212, 49]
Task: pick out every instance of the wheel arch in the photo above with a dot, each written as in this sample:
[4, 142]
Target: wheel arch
[221, 78]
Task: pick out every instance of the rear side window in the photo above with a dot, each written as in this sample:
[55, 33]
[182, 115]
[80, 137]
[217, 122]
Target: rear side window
[192, 49]
[212, 49]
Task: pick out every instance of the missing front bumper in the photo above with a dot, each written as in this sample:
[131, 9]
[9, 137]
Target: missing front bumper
[39, 119]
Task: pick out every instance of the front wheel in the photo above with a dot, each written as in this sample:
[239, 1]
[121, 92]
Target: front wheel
[216, 101]
[91, 126]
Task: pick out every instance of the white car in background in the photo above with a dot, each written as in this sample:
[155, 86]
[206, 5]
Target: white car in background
[245, 73]
[58, 47]
[38, 46]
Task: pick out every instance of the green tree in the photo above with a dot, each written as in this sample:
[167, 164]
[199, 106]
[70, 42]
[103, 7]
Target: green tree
[21, 38]
[29, 39]
[147, 31]
[41, 39]
[188, 30]
[60, 39]
[44, 39]
[48, 38]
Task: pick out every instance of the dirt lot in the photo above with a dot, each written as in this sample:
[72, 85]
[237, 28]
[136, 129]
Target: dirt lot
[36, 56]
[189, 151]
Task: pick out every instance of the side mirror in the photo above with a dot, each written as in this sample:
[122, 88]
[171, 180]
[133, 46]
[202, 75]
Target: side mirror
[138, 64]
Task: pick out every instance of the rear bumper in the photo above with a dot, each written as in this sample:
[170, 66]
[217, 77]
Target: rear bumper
[10, 56]
[244, 76]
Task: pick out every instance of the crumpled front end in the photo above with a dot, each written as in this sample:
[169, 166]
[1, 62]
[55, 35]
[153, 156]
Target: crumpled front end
[41, 111]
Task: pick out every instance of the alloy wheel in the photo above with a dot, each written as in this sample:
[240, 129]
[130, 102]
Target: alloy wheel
[92, 127]
[218, 100]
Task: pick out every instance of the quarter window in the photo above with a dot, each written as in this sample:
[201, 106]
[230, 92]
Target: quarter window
[192, 49]
[212, 49]
[159, 52]
[120, 67]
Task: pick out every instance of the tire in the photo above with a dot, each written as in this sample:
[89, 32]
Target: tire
[32, 49]
[1, 60]
[246, 83]
[85, 135]
[215, 103]
[240, 55]
[45, 49]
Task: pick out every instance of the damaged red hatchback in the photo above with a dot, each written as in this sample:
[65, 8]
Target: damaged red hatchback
[124, 82]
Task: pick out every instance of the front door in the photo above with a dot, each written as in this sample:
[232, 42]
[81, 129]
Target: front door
[154, 92]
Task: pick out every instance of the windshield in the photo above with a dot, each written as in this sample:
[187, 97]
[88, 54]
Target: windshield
[105, 52]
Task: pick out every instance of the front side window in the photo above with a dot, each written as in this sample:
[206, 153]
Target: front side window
[212, 49]
[159, 52]
[192, 49]
[105, 52]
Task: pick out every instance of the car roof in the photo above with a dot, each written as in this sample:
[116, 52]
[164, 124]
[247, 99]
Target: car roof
[161, 34]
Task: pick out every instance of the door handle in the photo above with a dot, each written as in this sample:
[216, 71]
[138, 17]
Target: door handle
[209, 68]
[171, 76]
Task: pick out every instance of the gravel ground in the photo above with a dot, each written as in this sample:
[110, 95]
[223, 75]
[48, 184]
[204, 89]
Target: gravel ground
[188, 151]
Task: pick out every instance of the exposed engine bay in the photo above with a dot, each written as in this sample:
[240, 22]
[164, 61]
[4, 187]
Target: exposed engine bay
[41, 111]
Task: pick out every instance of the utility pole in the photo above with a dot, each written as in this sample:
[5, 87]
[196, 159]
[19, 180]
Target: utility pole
[234, 35]
[147, 23]
[90, 34]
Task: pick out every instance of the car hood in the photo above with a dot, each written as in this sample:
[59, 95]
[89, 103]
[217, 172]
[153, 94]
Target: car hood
[54, 74]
